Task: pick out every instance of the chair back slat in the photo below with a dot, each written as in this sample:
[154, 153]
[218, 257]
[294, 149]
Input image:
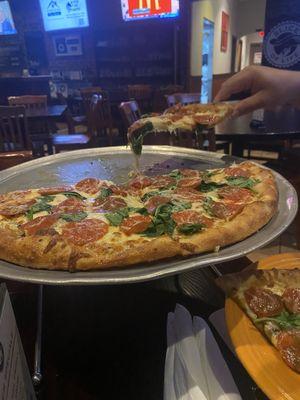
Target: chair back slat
[29, 102]
[14, 129]
[130, 112]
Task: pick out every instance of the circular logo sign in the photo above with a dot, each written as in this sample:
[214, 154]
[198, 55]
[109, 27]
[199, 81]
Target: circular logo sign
[282, 44]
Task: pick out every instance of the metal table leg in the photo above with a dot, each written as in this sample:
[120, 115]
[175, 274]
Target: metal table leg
[37, 374]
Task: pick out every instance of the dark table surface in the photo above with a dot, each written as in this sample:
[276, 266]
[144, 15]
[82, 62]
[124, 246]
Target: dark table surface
[276, 125]
[51, 112]
[110, 341]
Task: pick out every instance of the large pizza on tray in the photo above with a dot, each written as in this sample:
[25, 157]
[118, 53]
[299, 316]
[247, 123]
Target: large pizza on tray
[97, 224]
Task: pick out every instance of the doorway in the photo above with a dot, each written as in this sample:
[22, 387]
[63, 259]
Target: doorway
[207, 60]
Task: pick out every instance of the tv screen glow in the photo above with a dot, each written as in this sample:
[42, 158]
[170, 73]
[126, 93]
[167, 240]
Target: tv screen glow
[64, 14]
[145, 9]
[7, 26]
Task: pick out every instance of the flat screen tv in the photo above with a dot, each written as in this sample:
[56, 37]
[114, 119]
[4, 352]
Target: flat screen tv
[7, 26]
[64, 14]
[144, 9]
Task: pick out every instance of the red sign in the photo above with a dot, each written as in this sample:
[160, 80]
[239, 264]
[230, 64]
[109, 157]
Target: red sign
[149, 7]
[224, 31]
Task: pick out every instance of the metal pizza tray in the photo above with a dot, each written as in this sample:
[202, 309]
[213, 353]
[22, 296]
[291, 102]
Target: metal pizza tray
[114, 163]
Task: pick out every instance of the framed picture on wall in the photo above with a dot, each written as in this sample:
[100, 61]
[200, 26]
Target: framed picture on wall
[224, 31]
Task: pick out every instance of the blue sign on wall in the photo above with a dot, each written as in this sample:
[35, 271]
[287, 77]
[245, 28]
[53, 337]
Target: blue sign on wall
[282, 34]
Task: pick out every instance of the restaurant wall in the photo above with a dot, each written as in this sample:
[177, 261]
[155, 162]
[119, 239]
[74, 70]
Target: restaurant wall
[212, 10]
[251, 16]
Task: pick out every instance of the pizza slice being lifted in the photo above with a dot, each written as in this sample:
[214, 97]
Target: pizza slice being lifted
[189, 118]
[271, 299]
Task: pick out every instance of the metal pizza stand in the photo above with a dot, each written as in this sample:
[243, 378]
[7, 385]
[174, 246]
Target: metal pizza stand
[114, 164]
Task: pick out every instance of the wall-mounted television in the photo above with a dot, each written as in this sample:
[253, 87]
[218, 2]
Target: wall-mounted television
[7, 26]
[64, 14]
[144, 9]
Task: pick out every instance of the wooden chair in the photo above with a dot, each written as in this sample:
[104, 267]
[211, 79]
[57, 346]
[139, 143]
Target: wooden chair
[29, 102]
[87, 94]
[71, 120]
[39, 130]
[143, 95]
[130, 112]
[160, 97]
[15, 145]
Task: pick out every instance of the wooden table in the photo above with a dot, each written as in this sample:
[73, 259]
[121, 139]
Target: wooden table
[281, 125]
[110, 341]
[52, 112]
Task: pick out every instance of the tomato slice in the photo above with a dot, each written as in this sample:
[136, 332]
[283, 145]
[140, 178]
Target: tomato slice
[225, 210]
[156, 201]
[88, 185]
[135, 224]
[235, 194]
[84, 232]
[189, 173]
[291, 299]
[237, 172]
[188, 194]
[263, 302]
[110, 204]
[71, 205]
[163, 181]
[140, 182]
[13, 209]
[189, 183]
[40, 225]
[288, 344]
[191, 217]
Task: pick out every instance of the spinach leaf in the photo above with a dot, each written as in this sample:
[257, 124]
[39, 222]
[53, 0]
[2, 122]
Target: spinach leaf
[284, 320]
[117, 217]
[180, 206]
[74, 194]
[142, 210]
[138, 137]
[207, 205]
[74, 217]
[38, 207]
[104, 193]
[176, 174]
[242, 182]
[210, 186]
[190, 229]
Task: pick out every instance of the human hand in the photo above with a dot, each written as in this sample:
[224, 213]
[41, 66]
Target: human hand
[270, 88]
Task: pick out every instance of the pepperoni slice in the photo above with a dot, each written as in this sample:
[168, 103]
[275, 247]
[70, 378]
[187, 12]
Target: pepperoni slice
[189, 173]
[110, 204]
[140, 182]
[84, 232]
[291, 299]
[189, 183]
[18, 196]
[40, 225]
[188, 194]
[235, 194]
[117, 190]
[88, 185]
[163, 181]
[189, 217]
[225, 210]
[288, 344]
[12, 209]
[71, 205]
[263, 302]
[55, 190]
[156, 201]
[135, 224]
[237, 172]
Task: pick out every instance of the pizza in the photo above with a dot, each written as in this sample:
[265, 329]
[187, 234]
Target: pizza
[271, 299]
[189, 118]
[96, 224]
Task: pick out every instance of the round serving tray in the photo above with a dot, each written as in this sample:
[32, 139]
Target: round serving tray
[114, 163]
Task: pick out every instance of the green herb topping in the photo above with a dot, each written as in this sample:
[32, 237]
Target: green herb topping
[284, 320]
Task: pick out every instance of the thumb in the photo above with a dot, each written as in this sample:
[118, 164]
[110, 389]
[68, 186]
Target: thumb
[250, 104]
